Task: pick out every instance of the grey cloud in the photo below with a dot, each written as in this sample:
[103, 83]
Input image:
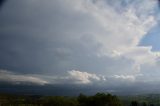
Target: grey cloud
[33, 40]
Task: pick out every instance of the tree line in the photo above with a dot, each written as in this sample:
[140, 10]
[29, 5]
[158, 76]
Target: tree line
[99, 99]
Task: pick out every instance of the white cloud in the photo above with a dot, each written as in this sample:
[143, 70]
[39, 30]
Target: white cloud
[126, 28]
[121, 31]
[76, 77]
[125, 77]
[142, 55]
[82, 77]
[8, 76]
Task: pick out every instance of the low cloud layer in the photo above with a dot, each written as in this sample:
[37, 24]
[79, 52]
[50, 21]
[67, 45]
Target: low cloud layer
[13, 78]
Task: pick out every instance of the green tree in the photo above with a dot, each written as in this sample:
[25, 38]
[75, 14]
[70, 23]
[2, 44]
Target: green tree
[152, 104]
[100, 99]
[134, 103]
[144, 104]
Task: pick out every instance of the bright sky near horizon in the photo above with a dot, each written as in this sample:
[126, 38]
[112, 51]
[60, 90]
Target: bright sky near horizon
[110, 44]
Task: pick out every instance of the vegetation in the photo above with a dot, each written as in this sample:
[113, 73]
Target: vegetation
[99, 99]
[141, 100]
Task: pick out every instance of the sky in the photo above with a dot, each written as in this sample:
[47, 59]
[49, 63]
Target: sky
[73, 46]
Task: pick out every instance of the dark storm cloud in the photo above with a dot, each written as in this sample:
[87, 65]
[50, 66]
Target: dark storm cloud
[2, 3]
[74, 90]
[38, 37]
[25, 45]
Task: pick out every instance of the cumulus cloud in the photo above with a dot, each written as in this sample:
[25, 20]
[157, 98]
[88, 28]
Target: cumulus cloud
[8, 76]
[82, 77]
[126, 27]
[76, 77]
